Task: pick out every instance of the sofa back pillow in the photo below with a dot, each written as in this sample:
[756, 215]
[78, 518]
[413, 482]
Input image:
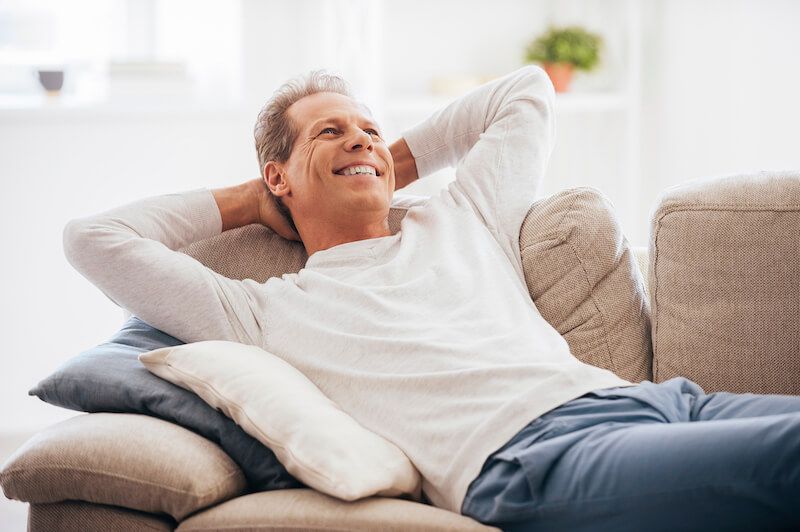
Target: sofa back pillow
[584, 279]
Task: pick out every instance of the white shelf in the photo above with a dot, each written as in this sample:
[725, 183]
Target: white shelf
[67, 106]
[565, 102]
[589, 102]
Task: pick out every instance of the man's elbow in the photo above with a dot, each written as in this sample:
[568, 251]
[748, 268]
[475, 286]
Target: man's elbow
[538, 83]
[76, 238]
[536, 93]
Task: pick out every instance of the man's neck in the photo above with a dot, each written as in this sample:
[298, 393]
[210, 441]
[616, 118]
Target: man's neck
[318, 236]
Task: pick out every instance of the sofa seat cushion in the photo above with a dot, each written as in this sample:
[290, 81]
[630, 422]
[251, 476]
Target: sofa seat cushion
[129, 460]
[584, 279]
[309, 510]
[725, 283]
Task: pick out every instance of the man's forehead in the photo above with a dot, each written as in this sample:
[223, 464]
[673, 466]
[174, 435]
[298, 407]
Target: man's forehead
[329, 107]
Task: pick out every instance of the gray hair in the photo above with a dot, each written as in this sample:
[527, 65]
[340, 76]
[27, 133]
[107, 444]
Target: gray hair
[275, 132]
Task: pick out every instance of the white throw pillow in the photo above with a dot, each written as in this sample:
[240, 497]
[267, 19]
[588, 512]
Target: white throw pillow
[314, 439]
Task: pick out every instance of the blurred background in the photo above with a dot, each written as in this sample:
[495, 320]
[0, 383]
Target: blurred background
[106, 101]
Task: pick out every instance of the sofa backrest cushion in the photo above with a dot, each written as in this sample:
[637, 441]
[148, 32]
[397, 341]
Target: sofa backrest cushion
[256, 252]
[725, 283]
[128, 460]
[579, 269]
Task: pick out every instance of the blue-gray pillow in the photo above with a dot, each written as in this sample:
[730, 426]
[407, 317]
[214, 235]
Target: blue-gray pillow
[110, 378]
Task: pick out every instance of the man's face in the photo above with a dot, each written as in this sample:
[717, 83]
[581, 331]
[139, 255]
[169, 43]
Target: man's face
[336, 135]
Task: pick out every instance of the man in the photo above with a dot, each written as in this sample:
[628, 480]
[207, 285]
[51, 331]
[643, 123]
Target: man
[429, 337]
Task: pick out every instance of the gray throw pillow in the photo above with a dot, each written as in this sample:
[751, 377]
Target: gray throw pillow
[110, 378]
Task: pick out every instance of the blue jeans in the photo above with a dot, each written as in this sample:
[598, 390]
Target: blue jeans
[648, 457]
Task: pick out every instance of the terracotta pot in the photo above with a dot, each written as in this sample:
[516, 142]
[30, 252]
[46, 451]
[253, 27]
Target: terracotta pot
[560, 74]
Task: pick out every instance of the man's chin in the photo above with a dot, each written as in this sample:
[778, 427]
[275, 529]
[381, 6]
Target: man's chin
[372, 202]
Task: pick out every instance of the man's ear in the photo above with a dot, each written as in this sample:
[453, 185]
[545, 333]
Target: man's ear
[274, 177]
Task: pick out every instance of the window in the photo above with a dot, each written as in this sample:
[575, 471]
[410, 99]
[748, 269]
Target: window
[123, 50]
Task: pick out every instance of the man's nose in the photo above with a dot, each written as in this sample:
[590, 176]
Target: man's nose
[360, 140]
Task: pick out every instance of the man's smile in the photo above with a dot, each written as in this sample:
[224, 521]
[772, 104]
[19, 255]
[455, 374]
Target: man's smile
[358, 169]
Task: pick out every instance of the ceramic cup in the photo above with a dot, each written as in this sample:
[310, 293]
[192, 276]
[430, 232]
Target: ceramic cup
[51, 80]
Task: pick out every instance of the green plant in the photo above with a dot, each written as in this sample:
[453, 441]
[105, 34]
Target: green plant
[570, 44]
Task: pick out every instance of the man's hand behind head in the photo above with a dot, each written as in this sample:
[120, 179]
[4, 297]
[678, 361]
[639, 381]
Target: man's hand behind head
[269, 214]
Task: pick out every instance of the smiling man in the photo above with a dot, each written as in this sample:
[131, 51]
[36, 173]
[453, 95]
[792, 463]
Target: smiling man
[319, 179]
[428, 337]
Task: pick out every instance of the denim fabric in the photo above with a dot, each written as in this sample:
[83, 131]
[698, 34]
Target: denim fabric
[648, 457]
[110, 378]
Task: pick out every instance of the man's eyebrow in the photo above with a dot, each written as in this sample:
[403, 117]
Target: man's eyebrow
[337, 121]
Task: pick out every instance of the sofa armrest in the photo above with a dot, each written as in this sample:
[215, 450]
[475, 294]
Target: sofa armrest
[724, 278]
[127, 460]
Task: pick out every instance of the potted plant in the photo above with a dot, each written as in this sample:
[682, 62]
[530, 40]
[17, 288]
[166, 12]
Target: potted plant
[562, 50]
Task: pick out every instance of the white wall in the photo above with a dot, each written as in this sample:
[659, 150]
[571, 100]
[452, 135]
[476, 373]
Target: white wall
[720, 89]
[53, 170]
[720, 82]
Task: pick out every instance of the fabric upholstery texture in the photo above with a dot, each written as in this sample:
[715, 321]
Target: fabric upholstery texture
[138, 462]
[110, 378]
[725, 283]
[78, 516]
[642, 257]
[316, 440]
[311, 511]
[583, 277]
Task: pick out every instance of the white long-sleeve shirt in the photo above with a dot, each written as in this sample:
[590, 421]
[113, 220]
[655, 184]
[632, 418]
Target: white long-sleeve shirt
[427, 337]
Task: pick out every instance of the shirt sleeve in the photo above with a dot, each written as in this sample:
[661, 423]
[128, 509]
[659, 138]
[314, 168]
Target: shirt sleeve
[499, 137]
[130, 254]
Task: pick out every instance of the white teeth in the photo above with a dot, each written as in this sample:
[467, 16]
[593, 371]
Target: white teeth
[353, 170]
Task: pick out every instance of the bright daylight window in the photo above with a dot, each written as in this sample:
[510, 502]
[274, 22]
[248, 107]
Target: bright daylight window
[120, 51]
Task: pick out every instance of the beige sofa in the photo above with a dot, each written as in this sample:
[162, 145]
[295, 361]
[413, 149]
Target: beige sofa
[722, 308]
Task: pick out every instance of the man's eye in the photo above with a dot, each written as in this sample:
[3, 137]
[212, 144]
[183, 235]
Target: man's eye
[333, 129]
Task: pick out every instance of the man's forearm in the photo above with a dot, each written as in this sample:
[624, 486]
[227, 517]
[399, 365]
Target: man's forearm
[405, 169]
[510, 122]
[131, 253]
[238, 205]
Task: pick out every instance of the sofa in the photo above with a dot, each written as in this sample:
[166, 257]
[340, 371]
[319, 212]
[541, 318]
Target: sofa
[715, 297]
